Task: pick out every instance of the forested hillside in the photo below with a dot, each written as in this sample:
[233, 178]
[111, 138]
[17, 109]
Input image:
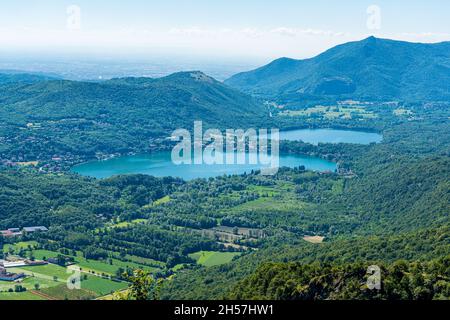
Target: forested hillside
[373, 68]
[81, 119]
[393, 206]
[8, 76]
[294, 281]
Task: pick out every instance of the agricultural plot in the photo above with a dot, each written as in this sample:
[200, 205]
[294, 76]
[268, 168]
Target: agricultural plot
[145, 261]
[47, 272]
[30, 282]
[28, 296]
[275, 204]
[95, 266]
[16, 247]
[213, 258]
[100, 267]
[102, 286]
[62, 292]
[50, 282]
[332, 112]
[6, 286]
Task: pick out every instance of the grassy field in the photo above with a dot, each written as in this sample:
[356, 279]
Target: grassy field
[314, 239]
[16, 247]
[47, 272]
[92, 287]
[29, 283]
[51, 279]
[145, 261]
[163, 200]
[102, 286]
[61, 292]
[270, 203]
[213, 258]
[19, 296]
[332, 112]
[178, 267]
[99, 267]
[338, 187]
[124, 224]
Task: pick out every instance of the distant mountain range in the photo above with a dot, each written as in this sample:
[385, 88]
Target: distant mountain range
[17, 76]
[372, 68]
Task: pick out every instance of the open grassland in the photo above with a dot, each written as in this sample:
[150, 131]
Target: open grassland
[49, 281]
[16, 247]
[278, 204]
[96, 266]
[125, 224]
[30, 282]
[62, 292]
[314, 239]
[213, 258]
[92, 287]
[163, 200]
[145, 261]
[48, 272]
[99, 267]
[121, 224]
[102, 286]
[332, 112]
[28, 296]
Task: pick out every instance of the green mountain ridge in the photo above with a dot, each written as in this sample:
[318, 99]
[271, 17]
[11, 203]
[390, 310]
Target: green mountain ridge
[119, 115]
[372, 69]
[13, 76]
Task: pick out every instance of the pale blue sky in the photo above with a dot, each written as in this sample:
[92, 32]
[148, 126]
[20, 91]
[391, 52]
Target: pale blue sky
[222, 27]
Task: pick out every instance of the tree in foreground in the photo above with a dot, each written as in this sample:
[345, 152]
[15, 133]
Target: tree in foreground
[142, 287]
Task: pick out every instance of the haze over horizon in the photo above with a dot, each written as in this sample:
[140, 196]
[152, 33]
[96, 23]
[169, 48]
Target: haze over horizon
[102, 39]
[226, 29]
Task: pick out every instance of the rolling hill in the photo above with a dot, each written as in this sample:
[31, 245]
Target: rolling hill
[16, 76]
[119, 115]
[373, 68]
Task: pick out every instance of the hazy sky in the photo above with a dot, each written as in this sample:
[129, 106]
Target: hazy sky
[228, 28]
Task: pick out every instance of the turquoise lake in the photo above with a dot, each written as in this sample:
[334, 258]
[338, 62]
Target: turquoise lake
[160, 164]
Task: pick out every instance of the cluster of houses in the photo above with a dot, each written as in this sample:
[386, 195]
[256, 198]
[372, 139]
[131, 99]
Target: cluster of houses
[8, 276]
[16, 232]
[13, 262]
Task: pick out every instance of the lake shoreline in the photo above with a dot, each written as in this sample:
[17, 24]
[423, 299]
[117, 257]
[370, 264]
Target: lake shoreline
[159, 163]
